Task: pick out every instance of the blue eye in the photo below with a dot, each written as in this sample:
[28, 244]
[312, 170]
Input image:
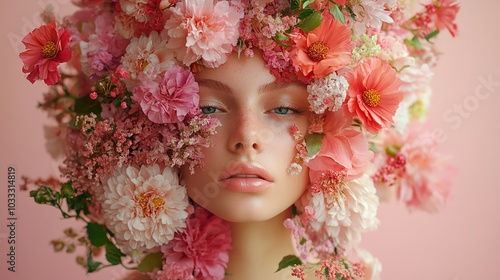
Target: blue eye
[208, 110]
[282, 110]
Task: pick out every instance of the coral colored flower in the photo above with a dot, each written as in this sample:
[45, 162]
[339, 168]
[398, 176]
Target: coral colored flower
[171, 99]
[202, 248]
[373, 95]
[203, 29]
[343, 148]
[324, 49]
[46, 48]
[445, 12]
[143, 207]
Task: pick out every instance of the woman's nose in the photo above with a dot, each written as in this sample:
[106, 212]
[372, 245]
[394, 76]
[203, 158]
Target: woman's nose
[247, 133]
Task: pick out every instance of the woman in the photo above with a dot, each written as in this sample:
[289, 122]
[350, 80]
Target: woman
[229, 139]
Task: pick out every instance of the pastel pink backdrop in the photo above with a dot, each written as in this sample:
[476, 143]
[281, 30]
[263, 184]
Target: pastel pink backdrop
[461, 242]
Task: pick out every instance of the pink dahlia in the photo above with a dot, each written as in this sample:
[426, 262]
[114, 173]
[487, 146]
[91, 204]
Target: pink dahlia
[46, 48]
[413, 168]
[171, 99]
[143, 207]
[202, 248]
[343, 149]
[323, 50]
[203, 29]
[373, 95]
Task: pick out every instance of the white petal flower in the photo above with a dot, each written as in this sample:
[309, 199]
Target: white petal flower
[144, 207]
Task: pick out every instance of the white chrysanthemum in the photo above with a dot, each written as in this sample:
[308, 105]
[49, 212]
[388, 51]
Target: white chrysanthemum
[143, 208]
[344, 218]
[327, 93]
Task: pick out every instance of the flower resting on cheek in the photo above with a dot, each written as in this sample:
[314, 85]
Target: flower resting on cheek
[202, 248]
[170, 99]
[203, 29]
[373, 95]
[323, 50]
[143, 207]
[46, 48]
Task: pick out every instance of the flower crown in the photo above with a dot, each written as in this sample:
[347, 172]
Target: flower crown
[126, 106]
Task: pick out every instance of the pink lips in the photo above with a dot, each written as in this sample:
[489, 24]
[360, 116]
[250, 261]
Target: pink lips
[245, 177]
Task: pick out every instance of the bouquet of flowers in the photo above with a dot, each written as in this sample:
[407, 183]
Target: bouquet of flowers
[125, 102]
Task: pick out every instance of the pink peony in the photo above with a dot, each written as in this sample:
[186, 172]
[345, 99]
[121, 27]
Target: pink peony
[203, 29]
[143, 207]
[373, 95]
[46, 48]
[202, 248]
[324, 49]
[344, 148]
[171, 99]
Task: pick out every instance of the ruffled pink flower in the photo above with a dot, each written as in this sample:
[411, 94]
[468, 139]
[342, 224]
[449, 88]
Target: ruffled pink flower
[343, 148]
[203, 29]
[46, 48]
[202, 248]
[324, 49]
[171, 99]
[423, 178]
[373, 95]
[143, 207]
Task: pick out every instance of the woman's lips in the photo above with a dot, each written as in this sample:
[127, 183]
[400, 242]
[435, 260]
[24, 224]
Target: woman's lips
[245, 177]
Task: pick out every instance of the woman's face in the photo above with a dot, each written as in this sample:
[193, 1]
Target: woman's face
[245, 177]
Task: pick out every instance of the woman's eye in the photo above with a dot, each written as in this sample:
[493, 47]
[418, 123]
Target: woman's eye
[208, 110]
[282, 110]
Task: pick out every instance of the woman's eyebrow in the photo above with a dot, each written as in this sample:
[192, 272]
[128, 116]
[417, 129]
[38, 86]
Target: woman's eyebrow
[280, 85]
[214, 84]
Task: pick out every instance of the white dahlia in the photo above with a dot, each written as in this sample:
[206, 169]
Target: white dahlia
[143, 208]
[344, 216]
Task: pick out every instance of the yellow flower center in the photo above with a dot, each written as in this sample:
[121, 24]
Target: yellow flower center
[317, 51]
[142, 64]
[49, 50]
[371, 97]
[149, 203]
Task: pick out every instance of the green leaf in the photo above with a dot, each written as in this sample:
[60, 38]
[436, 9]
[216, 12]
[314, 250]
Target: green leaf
[66, 190]
[432, 35]
[287, 261]
[150, 262]
[295, 4]
[415, 42]
[392, 150]
[85, 106]
[91, 265]
[313, 143]
[113, 254]
[311, 22]
[97, 234]
[307, 3]
[304, 13]
[337, 13]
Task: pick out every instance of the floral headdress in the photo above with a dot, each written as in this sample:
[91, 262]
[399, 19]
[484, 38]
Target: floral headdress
[126, 105]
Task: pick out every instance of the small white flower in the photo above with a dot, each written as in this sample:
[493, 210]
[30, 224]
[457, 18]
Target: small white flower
[327, 93]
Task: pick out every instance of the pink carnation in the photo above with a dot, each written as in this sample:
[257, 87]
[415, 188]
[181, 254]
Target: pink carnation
[171, 99]
[202, 29]
[373, 95]
[46, 48]
[343, 148]
[202, 248]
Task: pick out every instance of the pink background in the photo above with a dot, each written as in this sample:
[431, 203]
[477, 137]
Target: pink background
[461, 242]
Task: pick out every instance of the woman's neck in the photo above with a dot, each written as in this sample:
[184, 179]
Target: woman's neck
[258, 247]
